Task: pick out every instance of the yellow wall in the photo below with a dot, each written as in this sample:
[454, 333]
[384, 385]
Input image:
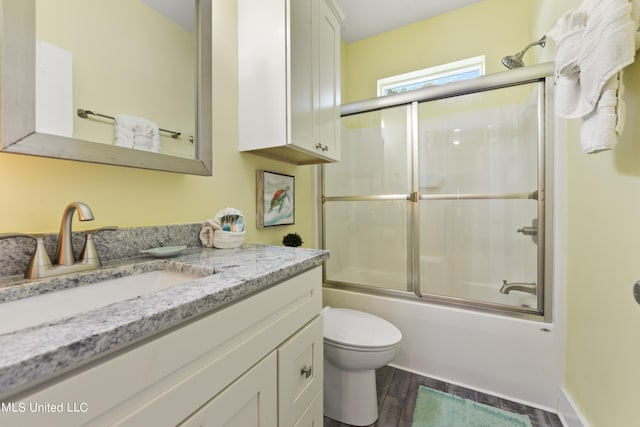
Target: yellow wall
[603, 262]
[494, 28]
[603, 231]
[35, 190]
[156, 81]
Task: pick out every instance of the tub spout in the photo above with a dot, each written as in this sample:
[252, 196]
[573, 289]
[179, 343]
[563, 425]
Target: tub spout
[530, 288]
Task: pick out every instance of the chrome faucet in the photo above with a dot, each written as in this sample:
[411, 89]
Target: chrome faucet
[64, 252]
[530, 288]
[65, 260]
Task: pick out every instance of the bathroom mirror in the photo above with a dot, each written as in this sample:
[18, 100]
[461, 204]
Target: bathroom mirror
[18, 115]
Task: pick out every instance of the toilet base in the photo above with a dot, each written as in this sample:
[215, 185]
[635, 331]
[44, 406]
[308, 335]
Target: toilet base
[350, 396]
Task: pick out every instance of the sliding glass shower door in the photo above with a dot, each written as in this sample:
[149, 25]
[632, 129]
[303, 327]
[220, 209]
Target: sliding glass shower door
[366, 220]
[478, 191]
[443, 200]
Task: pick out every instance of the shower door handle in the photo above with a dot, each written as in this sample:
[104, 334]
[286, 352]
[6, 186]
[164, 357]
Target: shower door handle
[531, 230]
[528, 231]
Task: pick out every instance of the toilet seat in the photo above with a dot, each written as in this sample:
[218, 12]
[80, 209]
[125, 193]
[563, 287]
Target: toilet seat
[360, 349]
[357, 330]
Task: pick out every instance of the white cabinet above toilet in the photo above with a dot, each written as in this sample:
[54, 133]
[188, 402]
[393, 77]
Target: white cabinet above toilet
[289, 79]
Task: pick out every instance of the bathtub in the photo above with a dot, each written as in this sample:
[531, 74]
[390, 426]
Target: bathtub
[506, 357]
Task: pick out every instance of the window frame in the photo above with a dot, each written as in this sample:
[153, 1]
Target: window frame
[451, 69]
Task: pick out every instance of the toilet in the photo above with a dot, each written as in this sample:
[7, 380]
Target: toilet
[355, 345]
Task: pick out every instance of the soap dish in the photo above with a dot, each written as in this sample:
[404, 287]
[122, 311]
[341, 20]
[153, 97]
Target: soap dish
[164, 251]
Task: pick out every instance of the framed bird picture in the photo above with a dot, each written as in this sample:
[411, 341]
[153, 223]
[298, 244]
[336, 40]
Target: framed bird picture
[275, 199]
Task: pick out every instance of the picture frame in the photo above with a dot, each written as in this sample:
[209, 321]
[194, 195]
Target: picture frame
[275, 199]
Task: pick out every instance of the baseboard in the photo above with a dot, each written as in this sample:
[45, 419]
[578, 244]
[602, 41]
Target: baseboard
[568, 411]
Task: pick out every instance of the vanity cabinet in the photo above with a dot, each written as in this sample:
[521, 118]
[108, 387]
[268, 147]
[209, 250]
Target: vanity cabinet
[300, 376]
[289, 79]
[249, 401]
[255, 362]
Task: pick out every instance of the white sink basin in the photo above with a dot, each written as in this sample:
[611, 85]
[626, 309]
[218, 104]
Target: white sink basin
[31, 311]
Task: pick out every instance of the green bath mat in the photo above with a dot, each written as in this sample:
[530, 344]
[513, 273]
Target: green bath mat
[437, 409]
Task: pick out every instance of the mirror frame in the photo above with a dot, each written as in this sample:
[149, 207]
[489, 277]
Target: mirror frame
[17, 117]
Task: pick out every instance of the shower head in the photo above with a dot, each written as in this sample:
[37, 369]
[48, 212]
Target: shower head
[515, 61]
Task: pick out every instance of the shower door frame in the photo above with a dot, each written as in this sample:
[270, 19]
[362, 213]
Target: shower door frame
[541, 75]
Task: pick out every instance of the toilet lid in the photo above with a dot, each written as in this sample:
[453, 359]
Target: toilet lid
[358, 329]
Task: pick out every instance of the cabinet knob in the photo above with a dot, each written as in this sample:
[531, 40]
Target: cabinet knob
[321, 146]
[306, 371]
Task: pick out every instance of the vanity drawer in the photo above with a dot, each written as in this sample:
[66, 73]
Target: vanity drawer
[313, 416]
[300, 372]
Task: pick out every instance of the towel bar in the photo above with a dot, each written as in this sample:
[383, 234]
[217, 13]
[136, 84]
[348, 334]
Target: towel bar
[86, 113]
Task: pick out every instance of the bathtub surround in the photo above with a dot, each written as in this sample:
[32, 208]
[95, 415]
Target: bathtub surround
[30, 355]
[476, 350]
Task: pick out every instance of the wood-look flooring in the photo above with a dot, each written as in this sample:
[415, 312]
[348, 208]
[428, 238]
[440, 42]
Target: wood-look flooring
[397, 392]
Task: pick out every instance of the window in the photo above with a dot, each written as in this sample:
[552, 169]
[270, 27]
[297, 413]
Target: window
[441, 74]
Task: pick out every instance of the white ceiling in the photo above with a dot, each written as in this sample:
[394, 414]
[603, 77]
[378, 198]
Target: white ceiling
[365, 18]
[182, 12]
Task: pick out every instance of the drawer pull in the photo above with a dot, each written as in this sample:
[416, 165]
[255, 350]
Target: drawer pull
[306, 371]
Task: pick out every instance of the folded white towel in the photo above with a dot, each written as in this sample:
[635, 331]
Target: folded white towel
[635, 17]
[593, 44]
[568, 33]
[608, 46]
[136, 132]
[601, 128]
[206, 233]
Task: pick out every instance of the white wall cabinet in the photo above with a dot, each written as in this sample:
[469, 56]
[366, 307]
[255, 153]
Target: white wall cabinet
[257, 362]
[289, 79]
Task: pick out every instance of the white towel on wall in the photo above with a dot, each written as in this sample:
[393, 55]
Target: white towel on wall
[136, 132]
[593, 44]
[635, 17]
[602, 127]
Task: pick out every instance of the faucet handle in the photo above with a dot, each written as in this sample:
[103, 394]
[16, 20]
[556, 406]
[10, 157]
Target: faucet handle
[96, 230]
[89, 254]
[12, 235]
[40, 260]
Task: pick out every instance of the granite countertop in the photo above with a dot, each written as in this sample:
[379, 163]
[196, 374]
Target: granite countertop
[33, 354]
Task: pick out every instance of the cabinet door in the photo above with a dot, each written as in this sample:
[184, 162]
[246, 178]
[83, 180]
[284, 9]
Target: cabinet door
[249, 401]
[328, 81]
[300, 373]
[303, 61]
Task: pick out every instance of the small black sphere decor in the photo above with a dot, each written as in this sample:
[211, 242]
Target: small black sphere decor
[292, 239]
